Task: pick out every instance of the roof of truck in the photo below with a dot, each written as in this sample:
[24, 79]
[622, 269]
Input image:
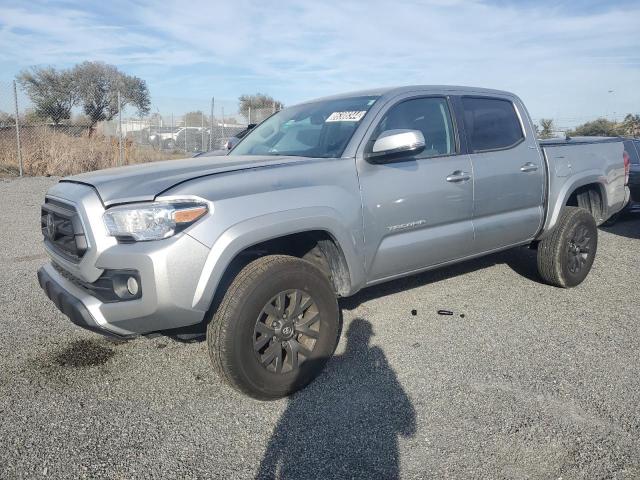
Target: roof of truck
[392, 91]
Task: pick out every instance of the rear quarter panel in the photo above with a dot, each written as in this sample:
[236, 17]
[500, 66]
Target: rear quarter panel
[572, 166]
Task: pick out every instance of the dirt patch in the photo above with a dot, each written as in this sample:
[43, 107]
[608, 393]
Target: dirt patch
[84, 353]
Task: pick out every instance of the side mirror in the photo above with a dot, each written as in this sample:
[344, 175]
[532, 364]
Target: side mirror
[394, 143]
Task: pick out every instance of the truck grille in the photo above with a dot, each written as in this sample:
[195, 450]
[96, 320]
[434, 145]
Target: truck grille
[62, 230]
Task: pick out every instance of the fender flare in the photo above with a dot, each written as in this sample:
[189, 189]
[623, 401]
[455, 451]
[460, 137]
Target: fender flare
[568, 188]
[259, 229]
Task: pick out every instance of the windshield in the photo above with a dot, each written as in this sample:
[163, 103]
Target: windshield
[319, 129]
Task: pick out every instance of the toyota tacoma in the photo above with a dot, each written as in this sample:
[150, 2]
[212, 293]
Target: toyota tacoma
[321, 200]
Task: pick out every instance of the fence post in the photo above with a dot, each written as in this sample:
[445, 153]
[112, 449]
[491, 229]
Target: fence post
[186, 130]
[15, 101]
[211, 125]
[120, 151]
[202, 131]
[223, 122]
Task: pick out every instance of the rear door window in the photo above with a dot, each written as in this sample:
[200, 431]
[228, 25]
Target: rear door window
[491, 124]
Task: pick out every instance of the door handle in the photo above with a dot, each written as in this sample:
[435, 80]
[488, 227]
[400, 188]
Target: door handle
[528, 167]
[458, 176]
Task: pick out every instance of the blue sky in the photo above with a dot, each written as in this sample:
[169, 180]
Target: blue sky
[562, 58]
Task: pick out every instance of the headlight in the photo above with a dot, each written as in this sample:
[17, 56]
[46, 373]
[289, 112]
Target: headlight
[153, 221]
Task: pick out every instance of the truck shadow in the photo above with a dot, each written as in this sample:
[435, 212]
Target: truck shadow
[346, 424]
[627, 226]
[521, 260]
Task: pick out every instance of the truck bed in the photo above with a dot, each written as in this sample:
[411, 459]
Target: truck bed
[579, 161]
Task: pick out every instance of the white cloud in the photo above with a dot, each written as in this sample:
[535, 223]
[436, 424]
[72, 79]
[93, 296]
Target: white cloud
[561, 62]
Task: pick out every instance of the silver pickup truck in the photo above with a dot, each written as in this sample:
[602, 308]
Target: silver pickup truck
[321, 200]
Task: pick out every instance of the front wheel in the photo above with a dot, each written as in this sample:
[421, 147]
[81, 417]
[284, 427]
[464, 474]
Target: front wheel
[565, 256]
[275, 327]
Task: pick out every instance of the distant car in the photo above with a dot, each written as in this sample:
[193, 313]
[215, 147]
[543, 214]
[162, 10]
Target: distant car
[164, 137]
[233, 141]
[632, 161]
[191, 139]
[632, 147]
[226, 145]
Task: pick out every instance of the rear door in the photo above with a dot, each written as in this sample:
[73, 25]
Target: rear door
[508, 173]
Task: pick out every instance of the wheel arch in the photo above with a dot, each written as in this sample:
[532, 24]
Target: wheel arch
[319, 238]
[591, 186]
[591, 197]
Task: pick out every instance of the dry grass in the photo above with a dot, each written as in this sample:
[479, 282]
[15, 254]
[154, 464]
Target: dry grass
[45, 152]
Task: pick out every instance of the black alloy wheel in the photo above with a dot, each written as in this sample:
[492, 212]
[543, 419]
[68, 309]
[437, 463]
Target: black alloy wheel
[286, 331]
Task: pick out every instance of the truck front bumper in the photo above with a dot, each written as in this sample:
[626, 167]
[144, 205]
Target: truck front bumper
[69, 304]
[168, 271]
[86, 283]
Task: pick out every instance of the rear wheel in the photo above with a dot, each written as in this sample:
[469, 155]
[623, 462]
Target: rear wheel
[275, 327]
[565, 257]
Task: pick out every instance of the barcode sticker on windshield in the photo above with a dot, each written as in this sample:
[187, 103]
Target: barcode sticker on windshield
[352, 116]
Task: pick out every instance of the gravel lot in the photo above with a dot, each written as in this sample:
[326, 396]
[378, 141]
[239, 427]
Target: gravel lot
[532, 381]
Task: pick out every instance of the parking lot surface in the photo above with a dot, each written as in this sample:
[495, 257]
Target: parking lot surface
[524, 380]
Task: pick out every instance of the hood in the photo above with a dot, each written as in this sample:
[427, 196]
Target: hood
[143, 182]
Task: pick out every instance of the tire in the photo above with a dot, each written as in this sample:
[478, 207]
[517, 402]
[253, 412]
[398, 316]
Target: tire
[590, 201]
[565, 257]
[276, 306]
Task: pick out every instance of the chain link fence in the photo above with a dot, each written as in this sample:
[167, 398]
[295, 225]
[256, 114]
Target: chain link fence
[32, 144]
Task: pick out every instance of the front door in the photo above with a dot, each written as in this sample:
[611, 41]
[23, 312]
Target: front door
[418, 208]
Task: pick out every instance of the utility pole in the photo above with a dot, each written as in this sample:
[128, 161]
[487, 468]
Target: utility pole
[211, 125]
[613, 104]
[120, 151]
[15, 100]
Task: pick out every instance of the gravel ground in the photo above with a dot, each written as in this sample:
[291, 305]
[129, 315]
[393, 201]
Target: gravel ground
[532, 381]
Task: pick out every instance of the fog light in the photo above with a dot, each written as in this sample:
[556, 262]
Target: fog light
[132, 286]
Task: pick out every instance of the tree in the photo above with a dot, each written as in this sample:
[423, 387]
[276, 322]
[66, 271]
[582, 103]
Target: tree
[546, 128]
[53, 92]
[98, 87]
[155, 119]
[32, 116]
[631, 125]
[600, 127]
[7, 119]
[195, 119]
[256, 108]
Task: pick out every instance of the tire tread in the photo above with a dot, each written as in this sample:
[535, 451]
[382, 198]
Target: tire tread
[218, 328]
[549, 249]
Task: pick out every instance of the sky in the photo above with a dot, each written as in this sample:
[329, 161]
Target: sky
[568, 60]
